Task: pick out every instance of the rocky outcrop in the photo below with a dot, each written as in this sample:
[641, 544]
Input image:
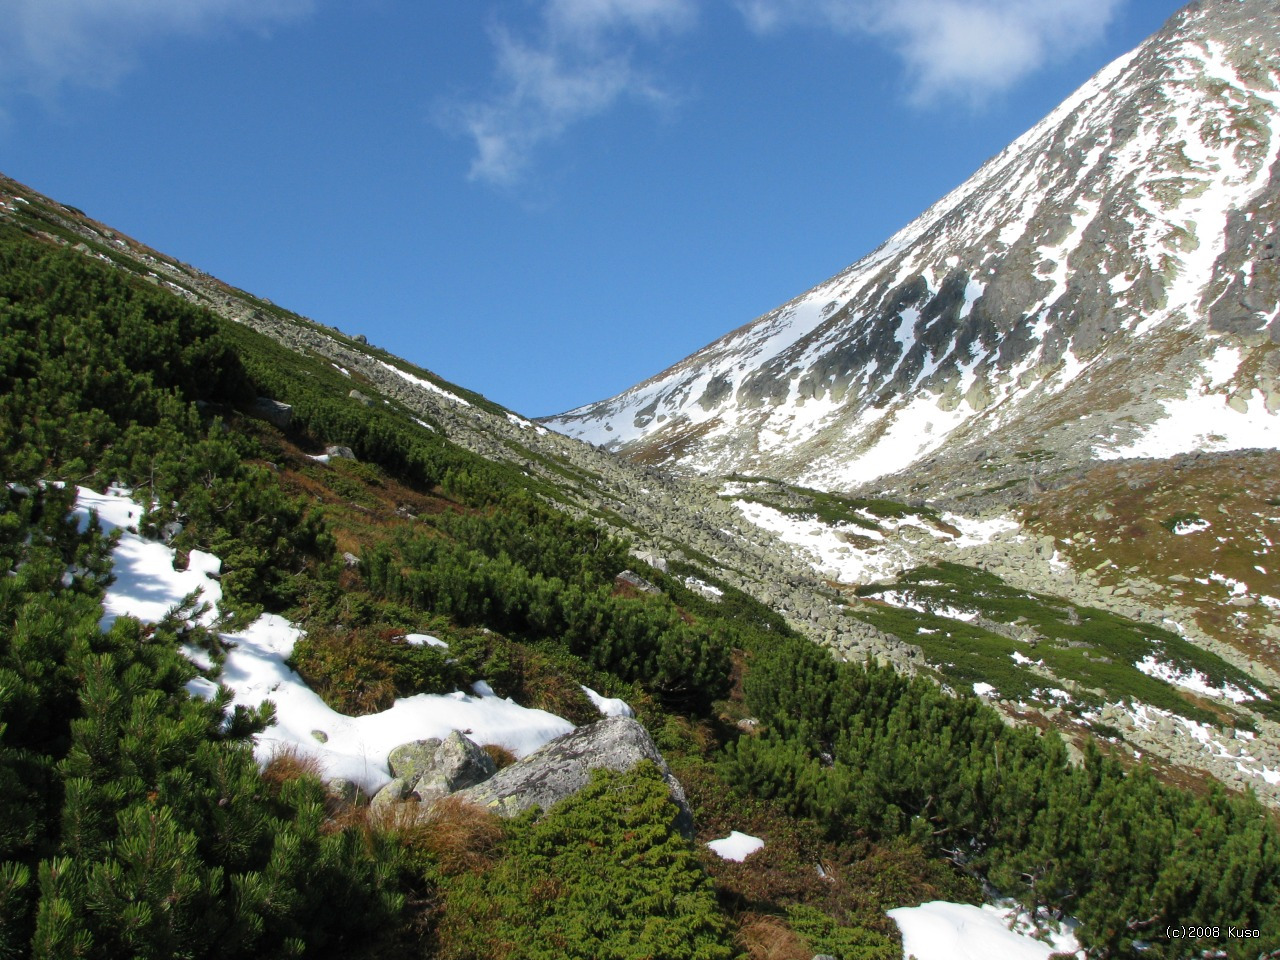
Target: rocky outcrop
[563, 767]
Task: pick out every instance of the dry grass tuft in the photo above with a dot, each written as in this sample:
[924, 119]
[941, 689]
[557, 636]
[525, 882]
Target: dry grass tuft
[769, 938]
[289, 763]
[501, 756]
[457, 835]
[461, 836]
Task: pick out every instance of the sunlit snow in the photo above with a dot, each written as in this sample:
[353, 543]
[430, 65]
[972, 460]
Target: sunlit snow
[147, 587]
[736, 846]
[609, 706]
[424, 384]
[959, 931]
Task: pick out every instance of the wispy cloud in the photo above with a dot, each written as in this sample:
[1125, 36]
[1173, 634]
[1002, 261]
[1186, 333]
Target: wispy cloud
[579, 61]
[46, 44]
[953, 49]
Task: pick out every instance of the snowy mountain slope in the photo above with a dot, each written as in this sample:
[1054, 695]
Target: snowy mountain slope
[711, 543]
[1106, 286]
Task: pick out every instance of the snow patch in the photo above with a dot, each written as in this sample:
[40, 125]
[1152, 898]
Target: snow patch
[959, 931]
[1192, 680]
[424, 384]
[424, 640]
[736, 846]
[147, 587]
[609, 706]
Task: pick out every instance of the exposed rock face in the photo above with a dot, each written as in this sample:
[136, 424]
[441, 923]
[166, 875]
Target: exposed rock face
[563, 767]
[432, 768]
[1115, 257]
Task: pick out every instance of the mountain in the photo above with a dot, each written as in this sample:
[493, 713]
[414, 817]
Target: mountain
[1105, 287]
[213, 505]
[821, 560]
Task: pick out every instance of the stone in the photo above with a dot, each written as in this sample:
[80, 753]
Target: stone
[273, 411]
[433, 767]
[360, 398]
[391, 794]
[658, 563]
[347, 791]
[336, 452]
[636, 582]
[563, 767]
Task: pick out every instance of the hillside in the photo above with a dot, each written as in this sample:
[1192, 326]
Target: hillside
[385, 557]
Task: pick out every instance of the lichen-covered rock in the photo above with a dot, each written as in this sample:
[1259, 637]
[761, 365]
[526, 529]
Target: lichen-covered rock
[347, 791]
[391, 794]
[432, 768]
[563, 767]
[632, 579]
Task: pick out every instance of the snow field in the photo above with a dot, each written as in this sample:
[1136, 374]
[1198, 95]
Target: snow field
[961, 931]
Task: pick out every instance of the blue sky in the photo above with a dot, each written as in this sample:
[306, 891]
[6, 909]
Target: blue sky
[542, 200]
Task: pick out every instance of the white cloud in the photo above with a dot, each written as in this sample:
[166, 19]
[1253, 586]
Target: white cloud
[45, 44]
[953, 49]
[580, 63]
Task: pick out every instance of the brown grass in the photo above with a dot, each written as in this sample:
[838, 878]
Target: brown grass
[769, 938]
[457, 835]
[501, 756]
[289, 763]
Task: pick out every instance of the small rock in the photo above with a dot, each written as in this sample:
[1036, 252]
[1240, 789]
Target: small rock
[340, 788]
[340, 453]
[393, 793]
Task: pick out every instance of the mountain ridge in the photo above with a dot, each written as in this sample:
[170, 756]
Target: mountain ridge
[1072, 271]
[701, 525]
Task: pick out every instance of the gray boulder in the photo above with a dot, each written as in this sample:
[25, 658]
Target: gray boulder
[432, 768]
[391, 794]
[337, 452]
[632, 579]
[273, 411]
[563, 767]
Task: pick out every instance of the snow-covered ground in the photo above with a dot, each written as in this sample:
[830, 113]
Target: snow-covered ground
[1193, 680]
[827, 547]
[961, 931]
[609, 706]
[875, 557]
[147, 587]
